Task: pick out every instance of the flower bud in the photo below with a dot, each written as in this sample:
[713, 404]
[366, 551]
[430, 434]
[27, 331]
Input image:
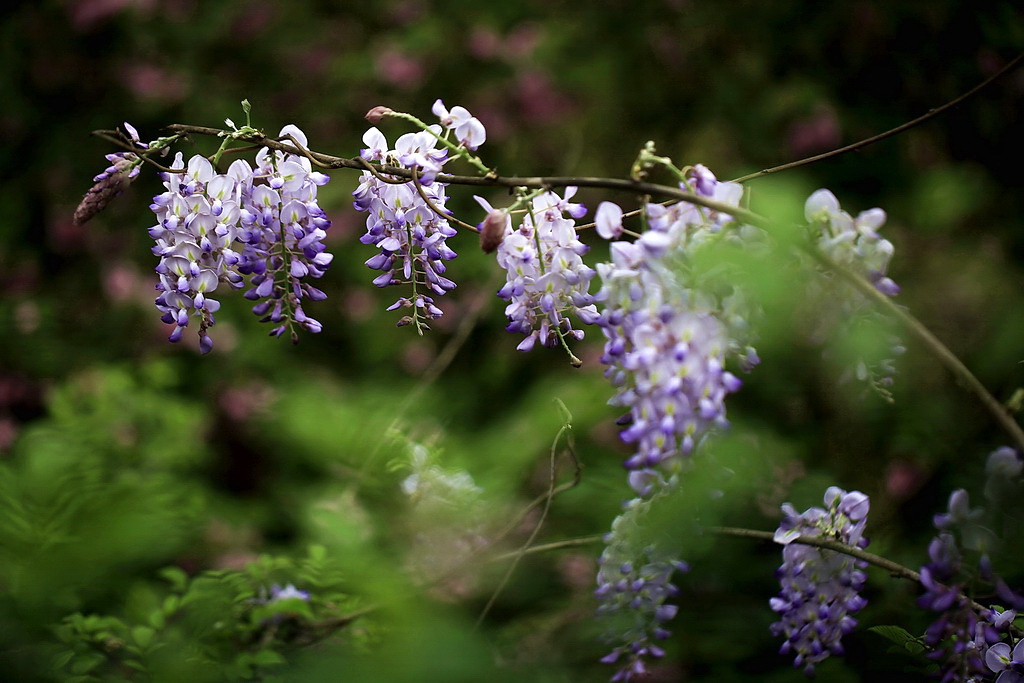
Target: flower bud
[492, 230]
[377, 114]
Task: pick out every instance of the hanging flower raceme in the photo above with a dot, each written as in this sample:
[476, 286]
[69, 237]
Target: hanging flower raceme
[669, 331]
[669, 328]
[283, 228]
[123, 169]
[546, 278]
[407, 221]
[634, 581]
[264, 223]
[965, 632]
[853, 243]
[820, 587]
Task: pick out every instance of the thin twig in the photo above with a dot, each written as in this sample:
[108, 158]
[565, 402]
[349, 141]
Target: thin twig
[530, 182]
[963, 375]
[894, 568]
[889, 133]
[952, 363]
[443, 215]
[552, 491]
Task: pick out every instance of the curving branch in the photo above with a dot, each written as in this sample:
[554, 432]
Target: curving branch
[530, 182]
[917, 329]
[962, 374]
[889, 133]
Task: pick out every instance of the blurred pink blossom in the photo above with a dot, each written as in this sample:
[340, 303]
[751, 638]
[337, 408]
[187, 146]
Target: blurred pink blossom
[152, 82]
[399, 69]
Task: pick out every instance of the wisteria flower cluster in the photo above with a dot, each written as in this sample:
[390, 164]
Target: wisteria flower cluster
[674, 321]
[966, 637]
[667, 336]
[448, 516]
[854, 243]
[407, 221]
[124, 168]
[261, 222]
[820, 587]
[634, 581]
[546, 277]
[667, 340]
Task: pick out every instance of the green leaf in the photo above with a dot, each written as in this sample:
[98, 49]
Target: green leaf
[268, 658]
[176, 576]
[87, 663]
[899, 636]
[317, 553]
[61, 660]
[171, 604]
[143, 635]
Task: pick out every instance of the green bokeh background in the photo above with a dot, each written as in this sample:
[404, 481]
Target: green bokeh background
[122, 454]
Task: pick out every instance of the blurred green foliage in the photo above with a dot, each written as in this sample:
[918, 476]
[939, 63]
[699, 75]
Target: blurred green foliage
[122, 456]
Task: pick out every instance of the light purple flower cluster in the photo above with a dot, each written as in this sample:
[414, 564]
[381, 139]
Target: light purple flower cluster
[852, 242]
[855, 244]
[668, 333]
[669, 330]
[264, 223]
[124, 168]
[634, 581]
[288, 592]
[546, 278]
[408, 223]
[820, 587]
[965, 632]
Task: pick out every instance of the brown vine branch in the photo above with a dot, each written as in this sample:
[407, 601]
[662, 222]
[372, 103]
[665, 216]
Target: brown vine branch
[553, 490]
[919, 331]
[889, 133]
[530, 182]
[894, 568]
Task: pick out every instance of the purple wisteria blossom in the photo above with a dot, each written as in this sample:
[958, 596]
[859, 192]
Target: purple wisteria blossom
[820, 587]
[546, 278]
[669, 331]
[215, 228]
[634, 581]
[287, 592]
[123, 169]
[964, 631]
[669, 328]
[853, 243]
[408, 224]
[1009, 665]
[468, 130]
[283, 228]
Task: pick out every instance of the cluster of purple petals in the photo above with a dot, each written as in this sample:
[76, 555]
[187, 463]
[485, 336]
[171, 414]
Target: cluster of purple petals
[1008, 664]
[852, 242]
[667, 336]
[966, 637]
[408, 230]
[546, 278]
[263, 223]
[634, 583]
[856, 244]
[123, 169]
[820, 587]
